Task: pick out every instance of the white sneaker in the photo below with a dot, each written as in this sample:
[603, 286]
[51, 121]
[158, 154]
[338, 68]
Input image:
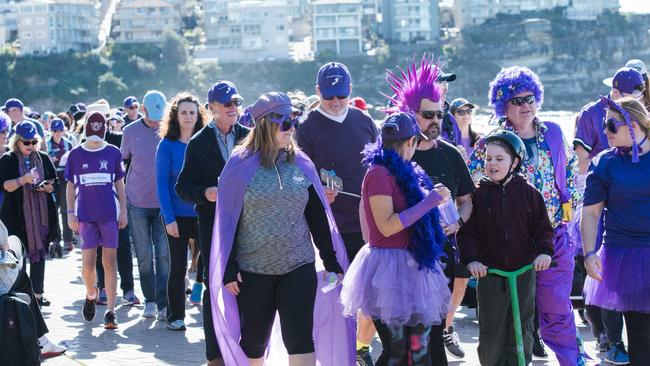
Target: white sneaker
[49, 349]
[149, 310]
[162, 314]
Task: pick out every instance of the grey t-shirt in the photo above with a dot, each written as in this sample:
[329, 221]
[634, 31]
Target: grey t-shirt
[273, 237]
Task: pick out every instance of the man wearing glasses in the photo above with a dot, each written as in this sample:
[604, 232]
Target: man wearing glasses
[205, 156]
[131, 106]
[333, 136]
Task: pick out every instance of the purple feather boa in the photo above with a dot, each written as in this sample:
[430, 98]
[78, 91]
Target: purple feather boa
[427, 236]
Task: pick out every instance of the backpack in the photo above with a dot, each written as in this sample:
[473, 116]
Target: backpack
[19, 345]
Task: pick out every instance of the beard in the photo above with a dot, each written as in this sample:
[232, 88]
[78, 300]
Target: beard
[432, 132]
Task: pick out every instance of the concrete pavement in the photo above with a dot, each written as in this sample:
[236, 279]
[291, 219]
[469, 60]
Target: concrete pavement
[141, 341]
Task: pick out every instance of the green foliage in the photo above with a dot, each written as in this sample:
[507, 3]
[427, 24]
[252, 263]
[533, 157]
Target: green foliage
[111, 87]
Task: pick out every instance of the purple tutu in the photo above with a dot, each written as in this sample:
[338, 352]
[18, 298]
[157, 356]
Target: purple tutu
[386, 284]
[626, 279]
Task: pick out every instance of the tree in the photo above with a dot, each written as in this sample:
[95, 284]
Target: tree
[111, 87]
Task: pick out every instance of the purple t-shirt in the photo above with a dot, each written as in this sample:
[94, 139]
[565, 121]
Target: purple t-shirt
[624, 189]
[589, 128]
[139, 144]
[379, 182]
[93, 173]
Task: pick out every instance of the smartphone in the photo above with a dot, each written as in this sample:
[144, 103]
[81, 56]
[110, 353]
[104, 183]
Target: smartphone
[331, 180]
[43, 183]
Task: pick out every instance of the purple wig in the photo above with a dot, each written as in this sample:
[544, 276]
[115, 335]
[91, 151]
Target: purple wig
[510, 82]
[412, 86]
[611, 104]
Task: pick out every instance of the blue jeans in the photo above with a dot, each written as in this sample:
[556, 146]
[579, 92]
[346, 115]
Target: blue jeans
[148, 239]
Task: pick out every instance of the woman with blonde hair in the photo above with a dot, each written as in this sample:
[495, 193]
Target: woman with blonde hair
[618, 182]
[270, 207]
[28, 178]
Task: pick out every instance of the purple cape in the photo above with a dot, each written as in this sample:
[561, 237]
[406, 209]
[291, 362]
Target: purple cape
[334, 335]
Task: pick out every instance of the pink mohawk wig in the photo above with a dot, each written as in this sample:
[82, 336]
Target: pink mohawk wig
[412, 86]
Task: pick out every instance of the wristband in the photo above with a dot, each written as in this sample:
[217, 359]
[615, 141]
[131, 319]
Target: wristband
[20, 183]
[590, 253]
[70, 211]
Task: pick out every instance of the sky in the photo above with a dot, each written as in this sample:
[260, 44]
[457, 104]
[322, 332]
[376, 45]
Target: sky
[635, 6]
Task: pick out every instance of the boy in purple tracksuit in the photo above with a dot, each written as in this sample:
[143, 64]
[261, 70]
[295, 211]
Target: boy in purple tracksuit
[508, 229]
[97, 209]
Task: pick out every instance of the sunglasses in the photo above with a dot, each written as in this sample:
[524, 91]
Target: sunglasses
[519, 101]
[462, 112]
[229, 103]
[339, 97]
[432, 114]
[285, 122]
[29, 143]
[133, 107]
[612, 125]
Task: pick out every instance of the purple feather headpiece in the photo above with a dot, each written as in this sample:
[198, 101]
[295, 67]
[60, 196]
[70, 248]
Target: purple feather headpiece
[628, 122]
[510, 82]
[413, 85]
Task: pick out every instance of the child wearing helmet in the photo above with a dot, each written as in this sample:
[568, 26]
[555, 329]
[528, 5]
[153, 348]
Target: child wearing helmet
[508, 229]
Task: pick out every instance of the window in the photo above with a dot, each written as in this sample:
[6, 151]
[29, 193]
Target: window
[28, 35]
[40, 21]
[40, 35]
[27, 21]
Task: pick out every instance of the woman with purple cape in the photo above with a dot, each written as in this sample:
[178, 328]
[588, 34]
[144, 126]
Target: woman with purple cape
[618, 184]
[271, 212]
[516, 94]
[396, 279]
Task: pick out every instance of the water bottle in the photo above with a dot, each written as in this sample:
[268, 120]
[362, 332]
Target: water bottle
[448, 213]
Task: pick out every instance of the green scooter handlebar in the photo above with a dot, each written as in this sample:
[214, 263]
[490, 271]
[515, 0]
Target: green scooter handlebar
[514, 299]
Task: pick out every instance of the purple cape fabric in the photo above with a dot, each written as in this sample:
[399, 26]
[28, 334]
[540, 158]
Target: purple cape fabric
[334, 335]
[555, 141]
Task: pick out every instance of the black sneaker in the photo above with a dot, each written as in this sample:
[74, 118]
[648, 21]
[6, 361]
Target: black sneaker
[364, 358]
[603, 342]
[42, 301]
[538, 347]
[109, 320]
[452, 343]
[89, 309]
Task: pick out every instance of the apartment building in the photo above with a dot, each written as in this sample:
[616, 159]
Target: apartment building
[145, 21]
[337, 26]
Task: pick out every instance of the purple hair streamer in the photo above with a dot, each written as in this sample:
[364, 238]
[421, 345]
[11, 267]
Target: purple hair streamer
[413, 85]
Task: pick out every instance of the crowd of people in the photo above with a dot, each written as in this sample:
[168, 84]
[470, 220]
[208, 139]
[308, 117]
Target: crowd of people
[402, 214]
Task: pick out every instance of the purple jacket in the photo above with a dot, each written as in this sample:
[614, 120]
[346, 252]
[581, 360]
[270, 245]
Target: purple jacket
[334, 336]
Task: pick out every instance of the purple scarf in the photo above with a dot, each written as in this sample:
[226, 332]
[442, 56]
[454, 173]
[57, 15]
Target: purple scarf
[34, 209]
[334, 335]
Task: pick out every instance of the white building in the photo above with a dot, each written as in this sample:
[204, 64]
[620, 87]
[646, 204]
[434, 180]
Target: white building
[145, 21]
[49, 26]
[469, 13]
[590, 9]
[337, 26]
[247, 30]
[410, 21]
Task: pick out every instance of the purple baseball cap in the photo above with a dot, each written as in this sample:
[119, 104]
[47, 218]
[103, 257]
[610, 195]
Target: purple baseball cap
[333, 80]
[626, 80]
[5, 122]
[13, 103]
[57, 124]
[222, 92]
[273, 102]
[130, 101]
[27, 130]
[399, 126]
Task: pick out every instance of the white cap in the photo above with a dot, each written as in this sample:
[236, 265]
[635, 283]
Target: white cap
[638, 65]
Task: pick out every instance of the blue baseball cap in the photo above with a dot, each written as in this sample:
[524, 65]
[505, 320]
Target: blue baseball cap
[222, 92]
[57, 124]
[5, 122]
[26, 130]
[13, 103]
[333, 80]
[154, 104]
[399, 126]
[130, 101]
[627, 80]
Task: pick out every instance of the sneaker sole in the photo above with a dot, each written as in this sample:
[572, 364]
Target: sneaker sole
[616, 363]
[453, 355]
[52, 354]
[177, 329]
[110, 326]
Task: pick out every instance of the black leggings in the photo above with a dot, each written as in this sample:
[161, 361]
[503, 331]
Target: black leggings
[638, 337]
[408, 345]
[187, 228]
[292, 295]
